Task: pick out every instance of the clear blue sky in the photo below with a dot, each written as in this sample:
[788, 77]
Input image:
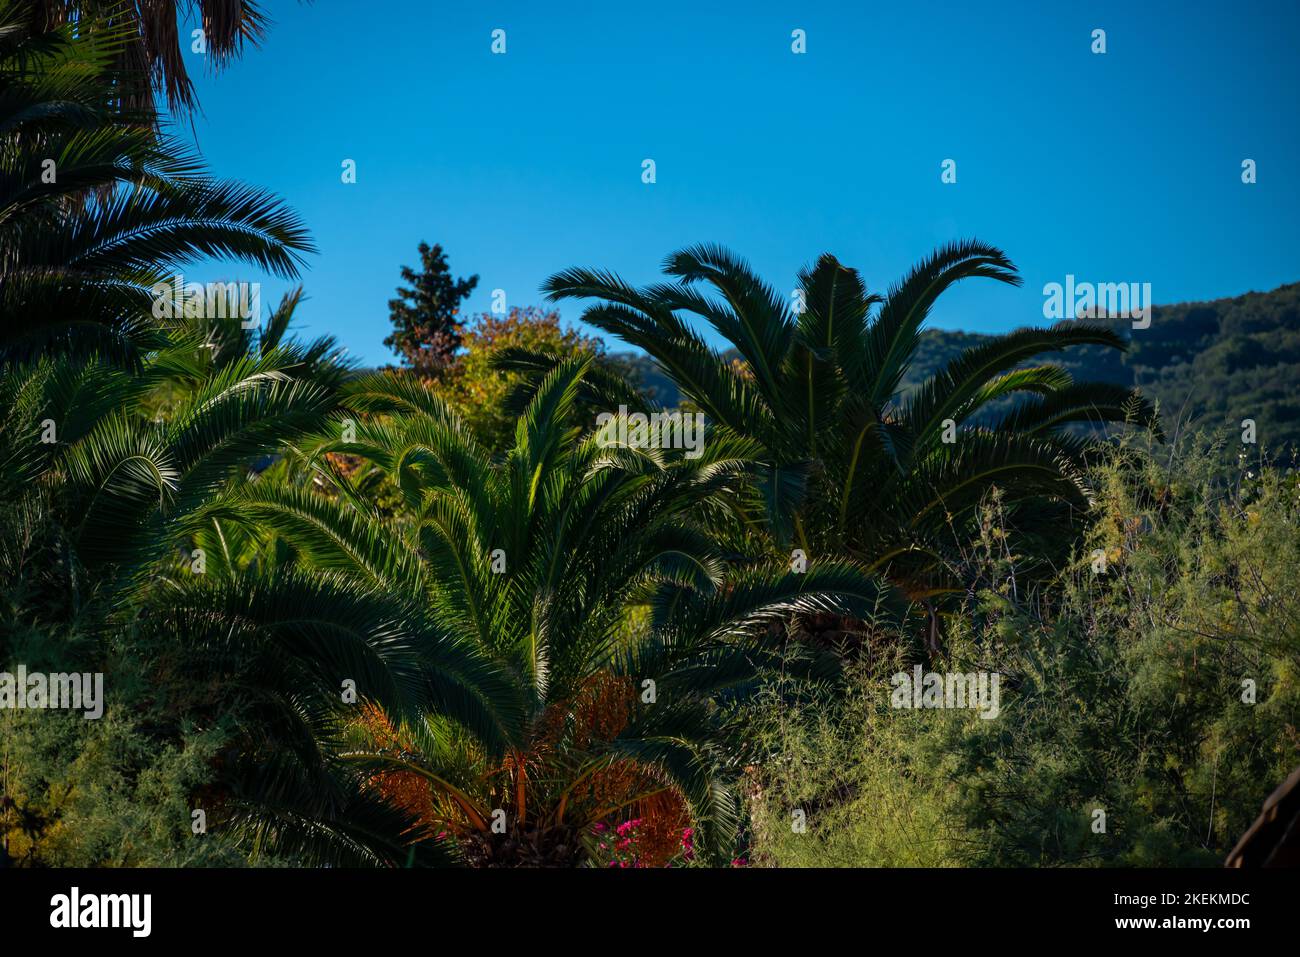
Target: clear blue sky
[1117, 167]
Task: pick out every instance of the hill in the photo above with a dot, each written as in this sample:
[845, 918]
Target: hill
[1208, 364]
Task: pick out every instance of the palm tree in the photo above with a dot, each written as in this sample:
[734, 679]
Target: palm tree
[117, 430]
[107, 476]
[153, 58]
[97, 208]
[848, 464]
[601, 632]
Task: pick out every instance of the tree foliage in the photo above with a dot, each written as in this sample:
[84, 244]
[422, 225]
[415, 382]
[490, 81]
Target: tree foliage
[426, 328]
[849, 464]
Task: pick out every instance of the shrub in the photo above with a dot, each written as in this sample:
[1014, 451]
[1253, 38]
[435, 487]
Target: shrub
[1159, 688]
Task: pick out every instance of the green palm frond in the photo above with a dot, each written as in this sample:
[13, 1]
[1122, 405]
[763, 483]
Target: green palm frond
[840, 462]
[81, 251]
[1092, 403]
[893, 337]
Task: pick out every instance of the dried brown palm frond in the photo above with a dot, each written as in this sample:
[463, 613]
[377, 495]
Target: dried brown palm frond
[155, 63]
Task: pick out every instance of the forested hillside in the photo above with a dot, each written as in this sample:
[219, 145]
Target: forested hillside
[1211, 364]
[1208, 364]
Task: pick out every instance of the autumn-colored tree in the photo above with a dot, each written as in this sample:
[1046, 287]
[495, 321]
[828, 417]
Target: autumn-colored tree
[479, 391]
[426, 331]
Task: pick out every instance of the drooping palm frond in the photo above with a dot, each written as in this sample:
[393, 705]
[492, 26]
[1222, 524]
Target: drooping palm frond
[98, 208]
[152, 60]
[893, 336]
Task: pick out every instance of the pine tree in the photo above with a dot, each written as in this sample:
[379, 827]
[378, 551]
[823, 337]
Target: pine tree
[426, 333]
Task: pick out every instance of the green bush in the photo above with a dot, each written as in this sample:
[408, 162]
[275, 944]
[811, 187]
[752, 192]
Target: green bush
[868, 782]
[94, 793]
[1125, 689]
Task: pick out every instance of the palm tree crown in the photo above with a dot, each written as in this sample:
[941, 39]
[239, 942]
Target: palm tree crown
[847, 463]
[586, 622]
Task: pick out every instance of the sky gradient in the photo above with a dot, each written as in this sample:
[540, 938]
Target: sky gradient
[1122, 167]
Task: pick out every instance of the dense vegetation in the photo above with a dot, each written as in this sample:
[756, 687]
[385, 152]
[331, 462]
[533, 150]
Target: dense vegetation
[1161, 691]
[441, 615]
